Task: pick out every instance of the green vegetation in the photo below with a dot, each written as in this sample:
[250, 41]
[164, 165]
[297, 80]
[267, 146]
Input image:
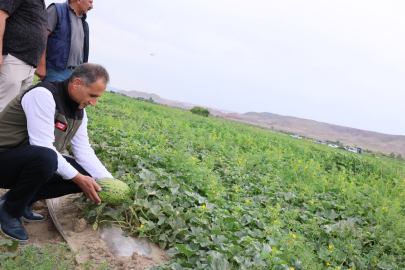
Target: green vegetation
[222, 195]
[36, 80]
[34, 257]
[200, 111]
[15, 256]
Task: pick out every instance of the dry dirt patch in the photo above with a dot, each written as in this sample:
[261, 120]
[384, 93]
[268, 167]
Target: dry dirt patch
[82, 238]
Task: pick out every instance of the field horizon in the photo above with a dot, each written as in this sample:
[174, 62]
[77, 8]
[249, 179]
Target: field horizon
[371, 140]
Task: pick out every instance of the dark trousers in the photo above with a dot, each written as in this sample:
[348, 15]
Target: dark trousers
[30, 174]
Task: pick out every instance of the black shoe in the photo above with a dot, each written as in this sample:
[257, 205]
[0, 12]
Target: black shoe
[12, 227]
[28, 215]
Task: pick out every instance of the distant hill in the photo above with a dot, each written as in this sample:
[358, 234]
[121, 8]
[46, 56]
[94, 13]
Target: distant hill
[317, 130]
[110, 88]
[173, 103]
[323, 131]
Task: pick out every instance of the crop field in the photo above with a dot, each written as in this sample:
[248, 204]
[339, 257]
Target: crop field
[222, 195]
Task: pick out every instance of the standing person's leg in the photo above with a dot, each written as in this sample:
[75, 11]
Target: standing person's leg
[54, 75]
[23, 170]
[29, 80]
[12, 74]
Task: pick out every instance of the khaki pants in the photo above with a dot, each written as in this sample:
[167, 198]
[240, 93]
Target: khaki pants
[15, 76]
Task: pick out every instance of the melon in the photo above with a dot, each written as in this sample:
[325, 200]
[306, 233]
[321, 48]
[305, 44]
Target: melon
[113, 191]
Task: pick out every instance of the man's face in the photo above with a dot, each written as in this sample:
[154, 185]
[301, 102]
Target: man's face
[87, 95]
[85, 6]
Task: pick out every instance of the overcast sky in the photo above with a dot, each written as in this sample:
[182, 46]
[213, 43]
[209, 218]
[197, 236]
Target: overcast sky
[334, 61]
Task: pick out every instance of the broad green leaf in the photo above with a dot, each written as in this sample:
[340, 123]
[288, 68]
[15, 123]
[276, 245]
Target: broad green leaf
[13, 247]
[155, 209]
[162, 219]
[185, 250]
[218, 239]
[203, 241]
[218, 261]
[277, 260]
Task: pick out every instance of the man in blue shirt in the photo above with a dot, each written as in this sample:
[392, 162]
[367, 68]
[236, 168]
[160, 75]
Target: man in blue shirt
[68, 40]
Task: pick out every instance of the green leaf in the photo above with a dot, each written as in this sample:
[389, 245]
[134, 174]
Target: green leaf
[6, 242]
[193, 246]
[265, 255]
[277, 261]
[162, 245]
[147, 175]
[100, 207]
[196, 231]
[203, 241]
[13, 247]
[218, 239]
[151, 191]
[155, 209]
[258, 262]
[176, 223]
[218, 261]
[185, 250]
[80, 199]
[162, 219]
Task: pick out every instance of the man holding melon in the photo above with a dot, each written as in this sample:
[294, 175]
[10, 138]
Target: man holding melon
[34, 128]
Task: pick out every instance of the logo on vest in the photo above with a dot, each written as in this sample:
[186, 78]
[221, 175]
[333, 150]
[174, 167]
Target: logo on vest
[61, 126]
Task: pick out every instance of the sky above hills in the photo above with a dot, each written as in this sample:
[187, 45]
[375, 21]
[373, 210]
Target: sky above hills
[335, 61]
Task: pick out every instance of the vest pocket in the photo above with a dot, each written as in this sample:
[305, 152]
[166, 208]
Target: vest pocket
[57, 52]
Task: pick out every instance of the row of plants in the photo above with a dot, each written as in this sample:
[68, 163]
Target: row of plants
[222, 195]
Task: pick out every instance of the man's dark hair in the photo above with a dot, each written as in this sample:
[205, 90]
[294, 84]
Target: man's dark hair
[89, 73]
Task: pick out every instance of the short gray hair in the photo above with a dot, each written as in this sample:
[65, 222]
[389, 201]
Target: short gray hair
[90, 73]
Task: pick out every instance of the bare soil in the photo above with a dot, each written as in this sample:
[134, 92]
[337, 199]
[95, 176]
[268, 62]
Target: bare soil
[82, 238]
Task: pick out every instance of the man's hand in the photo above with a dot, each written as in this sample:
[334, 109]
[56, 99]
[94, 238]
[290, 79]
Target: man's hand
[41, 71]
[88, 185]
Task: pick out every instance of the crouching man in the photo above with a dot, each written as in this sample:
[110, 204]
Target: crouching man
[34, 128]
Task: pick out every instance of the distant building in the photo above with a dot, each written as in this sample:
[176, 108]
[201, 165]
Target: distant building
[296, 136]
[333, 145]
[320, 142]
